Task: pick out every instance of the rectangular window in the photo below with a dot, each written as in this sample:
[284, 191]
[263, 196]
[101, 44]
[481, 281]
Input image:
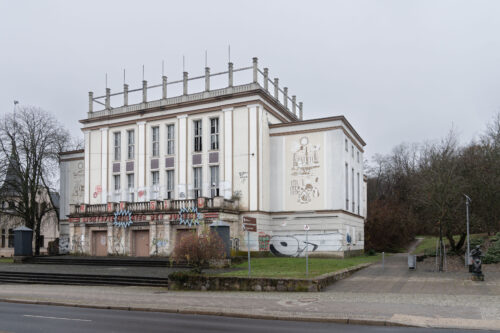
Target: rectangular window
[131, 144]
[352, 151]
[197, 182]
[170, 139]
[346, 145]
[116, 182]
[155, 138]
[214, 181]
[170, 184]
[357, 154]
[352, 190]
[3, 237]
[197, 131]
[346, 187]
[214, 133]
[155, 181]
[358, 193]
[117, 136]
[11, 238]
[131, 187]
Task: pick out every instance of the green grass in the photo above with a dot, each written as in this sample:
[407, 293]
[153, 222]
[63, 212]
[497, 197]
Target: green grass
[296, 267]
[6, 260]
[428, 245]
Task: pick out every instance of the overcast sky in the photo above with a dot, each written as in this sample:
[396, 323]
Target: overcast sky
[400, 71]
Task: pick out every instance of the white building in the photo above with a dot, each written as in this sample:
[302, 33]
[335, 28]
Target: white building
[215, 154]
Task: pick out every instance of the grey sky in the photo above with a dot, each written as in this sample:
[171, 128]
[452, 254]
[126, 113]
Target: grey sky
[398, 70]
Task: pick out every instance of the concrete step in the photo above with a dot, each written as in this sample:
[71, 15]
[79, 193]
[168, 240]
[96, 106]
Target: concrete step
[105, 261]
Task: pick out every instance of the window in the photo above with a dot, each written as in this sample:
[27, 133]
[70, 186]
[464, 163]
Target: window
[352, 189]
[11, 238]
[197, 135]
[155, 181]
[346, 187]
[214, 133]
[3, 238]
[346, 145]
[130, 186]
[116, 182]
[358, 193]
[117, 136]
[197, 177]
[131, 144]
[357, 154]
[170, 139]
[155, 141]
[170, 184]
[352, 151]
[214, 181]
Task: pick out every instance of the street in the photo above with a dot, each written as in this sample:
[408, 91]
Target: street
[41, 318]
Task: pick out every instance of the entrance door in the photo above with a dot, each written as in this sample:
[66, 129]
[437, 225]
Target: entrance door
[141, 243]
[100, 243]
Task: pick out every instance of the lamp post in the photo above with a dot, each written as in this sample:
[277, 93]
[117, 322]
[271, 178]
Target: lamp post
[468, 200]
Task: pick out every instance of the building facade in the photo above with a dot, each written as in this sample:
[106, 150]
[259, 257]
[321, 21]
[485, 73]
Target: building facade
[154, 169]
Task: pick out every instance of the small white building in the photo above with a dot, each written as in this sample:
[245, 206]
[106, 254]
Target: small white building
[155, 167]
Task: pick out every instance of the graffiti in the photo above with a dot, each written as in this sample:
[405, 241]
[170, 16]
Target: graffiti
[79, 244]
[235, 244]
[64, 246]
[295, 245]
[159, 246]
[243, 176]
[123, 218]
[117, 240]
[189, 216]
[264, 242]
[305, 184]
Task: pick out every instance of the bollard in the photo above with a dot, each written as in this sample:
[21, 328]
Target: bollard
[383, 259]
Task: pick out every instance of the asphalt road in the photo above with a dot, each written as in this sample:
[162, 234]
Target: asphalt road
[41, 318]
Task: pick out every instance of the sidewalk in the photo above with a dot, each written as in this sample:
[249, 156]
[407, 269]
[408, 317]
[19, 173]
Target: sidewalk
[389, 296]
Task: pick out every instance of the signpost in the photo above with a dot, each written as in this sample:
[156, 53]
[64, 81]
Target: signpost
[249, 224]
[306, 228]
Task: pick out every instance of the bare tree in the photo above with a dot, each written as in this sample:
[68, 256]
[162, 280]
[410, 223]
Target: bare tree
[30, 142]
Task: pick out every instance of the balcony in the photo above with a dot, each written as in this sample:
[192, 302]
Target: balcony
[155, 206]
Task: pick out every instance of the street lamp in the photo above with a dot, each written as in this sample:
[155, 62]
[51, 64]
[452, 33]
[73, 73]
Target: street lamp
[468, 200]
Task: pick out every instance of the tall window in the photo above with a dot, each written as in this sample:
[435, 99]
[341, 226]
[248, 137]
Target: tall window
[214, 133]
[170, 184]
[346, 187]
[197, 135]
[357, 156]
[116, 182]
[352, 151]
[11, 238]
[155, 141]
[352, 190]
[170, 139]
[155, 181]
[117, 136]
[197, 177]
[130, 186]
[131, 144]
[346, 145]
[358, 193]
[214, 181]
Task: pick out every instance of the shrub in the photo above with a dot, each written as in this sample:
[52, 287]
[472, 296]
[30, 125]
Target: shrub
[371, 252]
[492, 256]
[198, 250]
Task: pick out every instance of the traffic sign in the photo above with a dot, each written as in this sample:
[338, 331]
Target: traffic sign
[249, 224]
[306, 227]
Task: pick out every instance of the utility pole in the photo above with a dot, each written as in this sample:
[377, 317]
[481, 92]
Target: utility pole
[468, 200]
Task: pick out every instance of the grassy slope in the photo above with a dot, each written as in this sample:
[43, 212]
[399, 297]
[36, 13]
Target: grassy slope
[428, 245]
[296, 267]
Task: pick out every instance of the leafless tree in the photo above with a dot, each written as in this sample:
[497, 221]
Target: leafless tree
[30, 142]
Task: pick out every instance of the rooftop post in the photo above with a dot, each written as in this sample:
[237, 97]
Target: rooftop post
[266, 79]
[255, 68]
[207, 78]
[91, 101]
[125, 94]
[285, 97]
[164, 87]
[144, 91]
[230, 74]
[276, 82]
[185, 83]
[294, 104]
[300, 110]
[108, 99]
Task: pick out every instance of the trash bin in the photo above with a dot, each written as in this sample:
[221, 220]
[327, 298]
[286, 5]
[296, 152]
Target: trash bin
[23, 242]
[412, 261]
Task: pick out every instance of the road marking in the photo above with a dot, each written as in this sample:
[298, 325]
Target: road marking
[44, 317]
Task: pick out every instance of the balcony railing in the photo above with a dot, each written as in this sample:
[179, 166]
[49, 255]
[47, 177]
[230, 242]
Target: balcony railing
[171, 206]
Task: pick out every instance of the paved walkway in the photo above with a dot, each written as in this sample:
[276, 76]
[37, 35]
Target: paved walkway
[392, 295]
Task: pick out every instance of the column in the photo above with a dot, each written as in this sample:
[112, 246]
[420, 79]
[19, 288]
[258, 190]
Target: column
[164, 87]
[185, 83]
[125, 94]
[91, 102]
[253, 153]
[285, 97]
[104, 165]
[266, 79]
[144, 91]
[182, 157]
[228, 153]
[141, 162]
[276, 82]
[86, 198]
[107, 101]
[230, 74]
[255, 69]
[207, 78]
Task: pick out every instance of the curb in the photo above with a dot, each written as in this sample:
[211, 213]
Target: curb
[348, 321]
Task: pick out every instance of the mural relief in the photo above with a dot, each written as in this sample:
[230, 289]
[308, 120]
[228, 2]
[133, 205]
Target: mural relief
[78, 189]
[304, 182]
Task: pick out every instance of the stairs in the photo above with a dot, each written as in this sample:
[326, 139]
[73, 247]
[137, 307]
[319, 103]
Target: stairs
[104, 261]
[78, 279]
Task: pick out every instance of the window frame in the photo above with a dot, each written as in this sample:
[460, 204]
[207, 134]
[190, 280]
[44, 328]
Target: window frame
[170, 140]
[197, 183]
[130, 145]
[155, 144]
[214, 133]
[197, 135]
[170, 183]
[117, 146]
[214, 188]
